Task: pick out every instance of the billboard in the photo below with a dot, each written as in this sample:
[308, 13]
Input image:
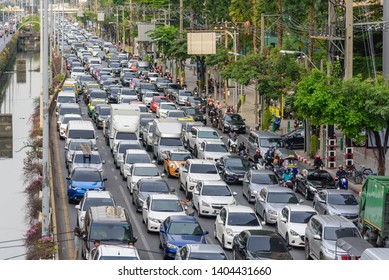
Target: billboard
[143, 28]
[201, 43]
[100, 17]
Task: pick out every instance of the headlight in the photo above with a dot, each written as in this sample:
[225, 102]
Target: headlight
[193, 180]
[171, 246]
[99, 189]
[82, 218]
[229, 173]
[155, 220]
[74, 187]
[229, 232]
[254, 192]
[292, 232]
[272, 212]
[127, 167]
[203, 203]
[329, 251]
[332, 212]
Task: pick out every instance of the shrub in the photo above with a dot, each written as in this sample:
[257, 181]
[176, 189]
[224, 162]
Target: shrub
[314, 146]
[267, 118]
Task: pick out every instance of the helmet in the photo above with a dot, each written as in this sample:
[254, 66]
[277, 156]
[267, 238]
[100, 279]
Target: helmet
[258, 151]
[317, 156]
[340, 166]
[242, 143]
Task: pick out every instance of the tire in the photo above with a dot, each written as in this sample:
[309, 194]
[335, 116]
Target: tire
[180, 185]
[358, 179]
[223, 242]
[307, 251]
[198, 210]
[133, 200]
[214, 232]
[287, 239]
[160, 245]
[233, 254]
[321, 257]
[195, 153]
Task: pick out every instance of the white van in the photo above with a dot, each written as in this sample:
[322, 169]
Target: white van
[80, 130]
[65, 97]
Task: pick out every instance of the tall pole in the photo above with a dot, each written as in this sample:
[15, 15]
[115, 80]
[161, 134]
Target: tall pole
[124, 31]
[181, 18]
[385, 48]
[254, 26]
[63, 35]
[263, 54]
[117, 24]
[41, 67]
[45, 145]
[235, 59]
[348, 71]
[51, 41]
[131, 36]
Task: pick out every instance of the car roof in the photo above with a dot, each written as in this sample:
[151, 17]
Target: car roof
[200, 161]
[177, 218]
[179, 151]
[144, 165]
[93, 152]
[278, 189]
[336, 191]
[300, 207]
[239, 209]
[264, 171]
[214, 183]
[205, 248]
[165, 196]
[135, 151]
[207, 128]
[334, 221]
[98, 194]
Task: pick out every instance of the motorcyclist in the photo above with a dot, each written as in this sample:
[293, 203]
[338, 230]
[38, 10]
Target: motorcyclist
[317, 163]
[242, 149]
[287, 176]
[269, 156]
[340, 173]
[258, 156]
[218, 105]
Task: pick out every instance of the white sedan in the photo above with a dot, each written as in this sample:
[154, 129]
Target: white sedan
[158, 207]
[292, 221]
[164, 107]
[232, 220]
[142, 170]
[210, 197]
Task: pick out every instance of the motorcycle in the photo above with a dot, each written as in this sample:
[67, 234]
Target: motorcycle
[287, 184]
[342, 183]
[233, 144]
[277, 123]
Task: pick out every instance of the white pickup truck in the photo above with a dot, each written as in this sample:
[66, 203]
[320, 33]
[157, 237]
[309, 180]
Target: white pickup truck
[198, 135]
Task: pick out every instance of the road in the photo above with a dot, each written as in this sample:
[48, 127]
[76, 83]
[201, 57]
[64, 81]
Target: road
[4, 41]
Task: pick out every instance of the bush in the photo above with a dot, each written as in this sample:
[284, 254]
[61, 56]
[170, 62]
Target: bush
[314, 146]
[267, 118]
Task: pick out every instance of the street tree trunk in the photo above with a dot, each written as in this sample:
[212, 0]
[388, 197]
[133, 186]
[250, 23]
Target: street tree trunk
[279, 27]
[382, 150]
[310, 39]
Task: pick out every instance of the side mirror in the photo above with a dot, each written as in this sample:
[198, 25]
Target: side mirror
[103, 162]
[78, 207]
[301, 200]
[196, 193]
[153, 161]
[289, 247]
[105, 179]
[184, 170]
[135, 239]
[283, 220]
[206, 232]
[56, 113]
[172, 190]
[221, 137]
[77, 232]
[234, 193]
[322, 201]
[193, 136]
[97, 137]
[163, 175]
[317, 237]
[220, 222]
[261, 199]
[67, 178]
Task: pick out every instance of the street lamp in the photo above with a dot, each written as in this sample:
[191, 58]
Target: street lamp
[284, 52]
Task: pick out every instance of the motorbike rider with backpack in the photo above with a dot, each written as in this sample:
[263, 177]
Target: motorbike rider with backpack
[318, 163]
[269, 156]
[232, 141]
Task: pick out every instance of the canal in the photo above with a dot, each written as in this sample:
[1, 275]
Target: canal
[18, 89]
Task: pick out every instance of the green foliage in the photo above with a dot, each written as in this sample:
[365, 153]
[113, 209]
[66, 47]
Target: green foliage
[267, 119]
[220, 59]
[314, 146]
[164, 37]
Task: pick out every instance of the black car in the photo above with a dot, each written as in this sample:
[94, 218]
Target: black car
[113, 92]
[161, 83]
[116, 69]
[233, 168]
[314, 181]
[145, 187]
[101, 113]
[294, 139]
[195, 114]
[195, 101]
[233, 122]
[260, 245]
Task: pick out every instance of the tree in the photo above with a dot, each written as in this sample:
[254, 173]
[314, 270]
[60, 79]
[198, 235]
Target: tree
[351, 104]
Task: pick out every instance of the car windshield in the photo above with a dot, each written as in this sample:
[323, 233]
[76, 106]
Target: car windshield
[166, 205]
[97, 201]
[115, 65]
[176, 114]
[275, 142]
[148, 86]
[322, 176]
[174, 86]
[95, 102]
[301, 217]
[110, 231]
[242, 219]
[185, 93]
[180, 156]
[98, 94]
[124, 147]
[217, 148]
[207, 256]
[209, 190]
[203, 168]
[191, 111]
[137, 158]
[128, 92]
[155, 186]
[208, 134]
[86, 176]
[74, 110]
[177, 228]
[66, 99]
[238, 163]
[160, 99]
[334, 233]
[282, 197]
[78, 70]
[168, 107]
[151, 94]
[258, 244]
[264, 179]
[233, 118]
[67, 119]
[145, 171]
[126, 136]
[342, 199]
[165, 141]
[81, 134]
[105, 112]
[89, 159]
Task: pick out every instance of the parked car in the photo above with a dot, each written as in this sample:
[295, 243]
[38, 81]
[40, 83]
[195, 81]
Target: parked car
[260, 245]
[177, 231]
[315, 180]
[292, 221]
[294, 139]
[337, 202]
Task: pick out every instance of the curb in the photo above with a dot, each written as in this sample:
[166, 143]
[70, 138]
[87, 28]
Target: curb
[303, 159]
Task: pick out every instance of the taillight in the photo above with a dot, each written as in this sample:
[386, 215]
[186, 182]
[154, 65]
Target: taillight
[345, 258]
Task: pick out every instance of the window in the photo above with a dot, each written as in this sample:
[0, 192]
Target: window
[342, 199]
[242, 219]
[266, 244]
[264, 179]
[181, 228]
[282, 197]
[137, 158]
[301, 217]
[126, 136]
[170, 142]
[334, 233]
[180, 156]
[145, 171]
[216, 148]
[86, 176]
[203, 168]
[166, 205]
[210, 190]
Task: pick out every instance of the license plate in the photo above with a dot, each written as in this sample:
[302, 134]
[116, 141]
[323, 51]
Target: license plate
[240, 179]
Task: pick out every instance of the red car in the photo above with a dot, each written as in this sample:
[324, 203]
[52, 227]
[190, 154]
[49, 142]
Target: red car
[154, 103]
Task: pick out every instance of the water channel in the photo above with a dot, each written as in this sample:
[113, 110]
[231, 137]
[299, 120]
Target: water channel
[18, 89]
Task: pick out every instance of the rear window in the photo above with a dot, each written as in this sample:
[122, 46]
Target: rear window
[203, 168]
[64, 111]
[126, 136]
[81, 134]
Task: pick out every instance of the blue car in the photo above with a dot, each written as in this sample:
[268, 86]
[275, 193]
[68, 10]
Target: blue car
[177, 231]
[83, 179]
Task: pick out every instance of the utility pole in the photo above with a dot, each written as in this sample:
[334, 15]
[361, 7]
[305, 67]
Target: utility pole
[124, 30]
[45, 144]
[41, 66]
[63, 35]
[348, 63]
[254, 26]
[385, 40]
[181, 18]
[131, 37]
[117, 24]
[263, 54]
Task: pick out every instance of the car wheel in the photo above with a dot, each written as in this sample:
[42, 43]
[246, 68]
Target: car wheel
[70, 200]
[195, 151]
[321, 256]
[287, 239]
[233, 254]
[147, 225]
[180, 185]
[160, 245]
[307, 251]
[199, 210]
[264, 218]
[133, 199]
[248, 196]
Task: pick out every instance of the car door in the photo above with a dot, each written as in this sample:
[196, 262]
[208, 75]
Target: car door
[197, 196]
[240, 246]
[320, 205]
[162, 236]
[146, 209]
[261, 202]
[220, 223]
[282, 225]
[316, 244]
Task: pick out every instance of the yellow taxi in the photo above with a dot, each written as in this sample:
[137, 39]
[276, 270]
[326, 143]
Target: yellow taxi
[187, 119]
[172, 161]
[69, 85]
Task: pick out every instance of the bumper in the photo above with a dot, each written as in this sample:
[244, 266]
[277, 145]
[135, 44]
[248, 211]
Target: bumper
[153, 226]
[271, 218]
[228, 241]
[237, 129]
[170, 252]
[297, 241]
[174, 172]
[191, 186]
[233, 178]
[210, 210]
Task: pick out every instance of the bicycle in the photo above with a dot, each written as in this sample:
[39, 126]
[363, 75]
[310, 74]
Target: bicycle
[358, 175]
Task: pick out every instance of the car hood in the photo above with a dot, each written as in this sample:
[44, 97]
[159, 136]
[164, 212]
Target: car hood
[215, 155]
[181, 240]
[205, 177]
[169, 148]
[219, 199]
[161, 216]
[298, 227]
[258, 187]
[88, 165]
[86, 185]
[277, 206]
[321, 184]
[237, 170]
[135, 179]
[176, 163]
[345, 209]
[145, 195]
[235, 122]
[239, 229]
[264, 255]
